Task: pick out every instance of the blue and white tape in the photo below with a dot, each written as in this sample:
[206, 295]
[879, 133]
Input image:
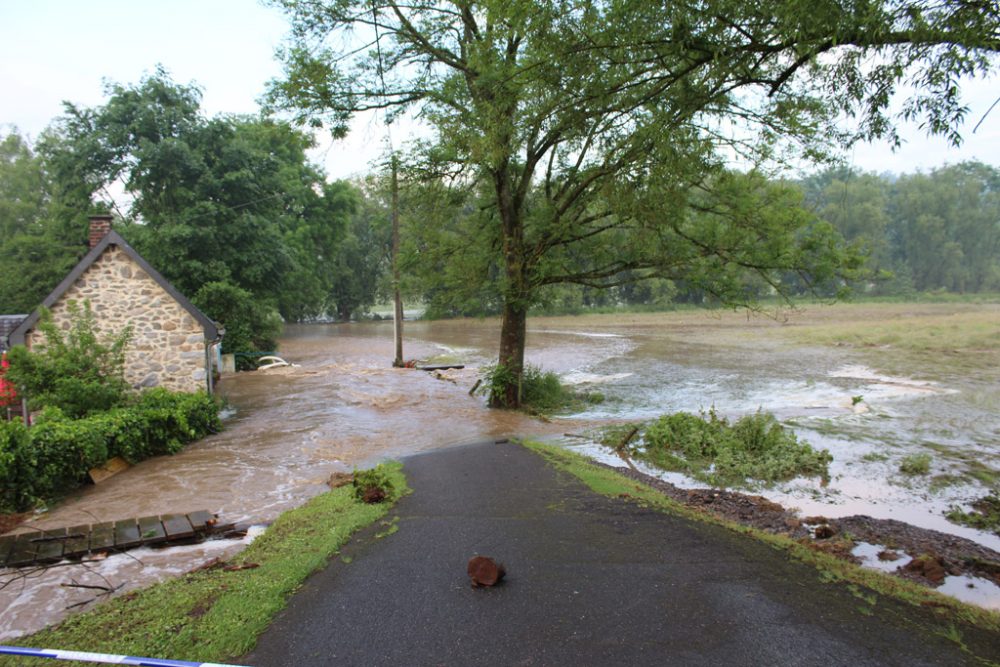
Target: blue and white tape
[103, 657]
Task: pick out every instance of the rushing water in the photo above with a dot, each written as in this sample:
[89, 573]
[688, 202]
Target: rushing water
[342, 407]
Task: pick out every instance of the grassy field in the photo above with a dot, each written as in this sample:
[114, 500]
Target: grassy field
[216, 614]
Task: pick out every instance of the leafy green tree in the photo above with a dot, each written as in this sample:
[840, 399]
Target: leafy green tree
[78, 371]
[34, 254]
[22, 187]
[945, 227]
[598, 131]
[250, 326]
[224, 199]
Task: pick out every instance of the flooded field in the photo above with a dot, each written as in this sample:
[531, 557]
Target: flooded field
[928, 378]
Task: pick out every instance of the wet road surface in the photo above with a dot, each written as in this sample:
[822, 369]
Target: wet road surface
[590, 580]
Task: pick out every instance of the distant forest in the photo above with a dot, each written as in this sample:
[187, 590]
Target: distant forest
[232, 212]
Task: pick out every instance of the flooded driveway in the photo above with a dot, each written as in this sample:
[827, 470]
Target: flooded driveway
[343, 406]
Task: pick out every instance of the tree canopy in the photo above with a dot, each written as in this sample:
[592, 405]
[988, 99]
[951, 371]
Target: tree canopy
[599, 137]
[230, 202]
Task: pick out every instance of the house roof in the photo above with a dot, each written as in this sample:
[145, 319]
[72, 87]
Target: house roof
[17, 336]
[7, 324]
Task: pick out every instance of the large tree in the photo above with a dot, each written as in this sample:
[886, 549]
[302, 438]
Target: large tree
[36, 247]
[228, 199]
[600, 130]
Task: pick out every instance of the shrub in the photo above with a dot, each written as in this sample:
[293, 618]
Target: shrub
[76, 371]
[541, 391]
[372, 486]
[915, 464]
[708, 448]
[54, 456]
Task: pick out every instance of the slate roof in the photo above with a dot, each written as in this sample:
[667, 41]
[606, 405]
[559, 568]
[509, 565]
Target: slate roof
[17, 336]
[7, 325]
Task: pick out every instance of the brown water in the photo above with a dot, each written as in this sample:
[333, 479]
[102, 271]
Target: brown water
[342, 407]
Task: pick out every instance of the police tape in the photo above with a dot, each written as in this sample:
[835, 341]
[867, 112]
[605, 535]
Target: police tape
[103, 657]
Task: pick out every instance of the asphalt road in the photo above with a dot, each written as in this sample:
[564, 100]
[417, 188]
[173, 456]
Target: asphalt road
[590, 581]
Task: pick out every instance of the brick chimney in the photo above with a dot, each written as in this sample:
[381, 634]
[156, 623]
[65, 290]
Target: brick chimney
[100, 225]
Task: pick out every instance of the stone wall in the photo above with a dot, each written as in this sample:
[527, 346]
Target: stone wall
[168, 344]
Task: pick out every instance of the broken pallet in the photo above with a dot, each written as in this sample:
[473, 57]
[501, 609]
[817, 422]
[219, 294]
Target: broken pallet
[40, 547]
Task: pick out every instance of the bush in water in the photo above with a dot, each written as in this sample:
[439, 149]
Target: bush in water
[54, 455]
[714, 451]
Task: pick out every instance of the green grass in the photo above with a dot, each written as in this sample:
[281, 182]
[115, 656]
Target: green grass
[213, 615]
[830, 569]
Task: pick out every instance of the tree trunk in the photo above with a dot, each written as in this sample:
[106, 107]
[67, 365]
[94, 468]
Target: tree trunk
[513, 330]
[513, 336]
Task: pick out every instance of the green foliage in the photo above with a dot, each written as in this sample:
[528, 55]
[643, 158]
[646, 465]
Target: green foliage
[377, 479]
[584, 139]
[362, 256]
[496, 378]
[915, 464]
[224, 199]
[985, 514]
[53, 456]
[711, 449]
[920, 232]
[77, 370]
[36, 252]
[541, 391]
[251, 326]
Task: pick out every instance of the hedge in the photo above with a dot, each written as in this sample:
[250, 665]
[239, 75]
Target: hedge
[53, 457]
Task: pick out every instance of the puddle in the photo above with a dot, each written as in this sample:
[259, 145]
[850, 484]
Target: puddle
[869, 556]
[973, 590]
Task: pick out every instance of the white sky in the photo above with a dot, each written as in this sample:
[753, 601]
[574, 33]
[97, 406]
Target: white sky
[55, 50]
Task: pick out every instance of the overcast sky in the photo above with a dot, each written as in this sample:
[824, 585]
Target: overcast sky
[55, 50]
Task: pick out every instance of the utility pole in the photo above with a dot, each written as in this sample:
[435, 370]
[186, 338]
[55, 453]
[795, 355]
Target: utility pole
[397, 319]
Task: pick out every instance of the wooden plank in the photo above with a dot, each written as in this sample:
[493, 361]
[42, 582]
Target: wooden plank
[77, 541]
[177, 526]
[441, 368]
[151, 530]
[202, 521]
[127, 534]
[6, 544]
[24, 550]
[102, 536]
[50, 546]
[110, 468]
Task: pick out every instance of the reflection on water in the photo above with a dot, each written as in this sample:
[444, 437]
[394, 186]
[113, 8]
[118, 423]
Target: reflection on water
[344, 407]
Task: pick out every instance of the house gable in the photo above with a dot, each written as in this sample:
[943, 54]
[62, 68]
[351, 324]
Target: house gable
[170, 334]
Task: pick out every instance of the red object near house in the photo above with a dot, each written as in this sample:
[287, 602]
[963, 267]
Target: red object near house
[7, 394]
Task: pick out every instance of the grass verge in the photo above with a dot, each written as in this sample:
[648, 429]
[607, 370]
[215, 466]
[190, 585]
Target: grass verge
[609, 483]
[215, 615]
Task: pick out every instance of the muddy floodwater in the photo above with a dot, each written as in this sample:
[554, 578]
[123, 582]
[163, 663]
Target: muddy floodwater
[342, 407]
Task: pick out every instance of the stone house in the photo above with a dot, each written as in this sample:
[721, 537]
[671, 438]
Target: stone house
[174, 345]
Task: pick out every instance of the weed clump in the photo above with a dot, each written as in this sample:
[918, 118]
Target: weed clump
[915, 464]
[372, 486]
[709, 448]
[985, 514]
